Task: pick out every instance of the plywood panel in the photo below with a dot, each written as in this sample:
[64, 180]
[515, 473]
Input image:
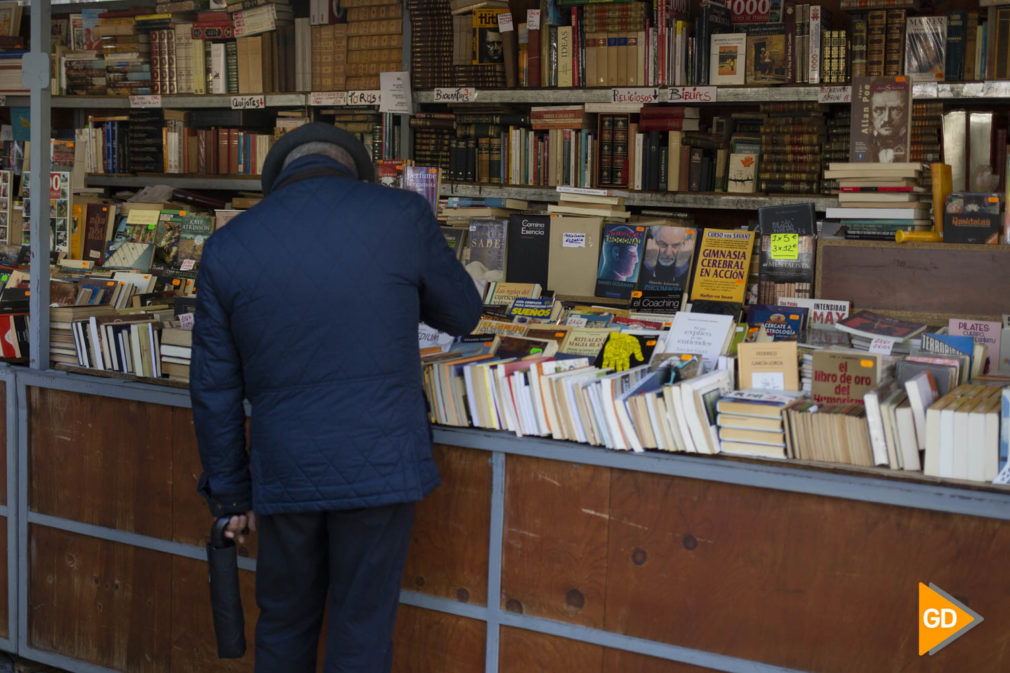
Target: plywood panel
[191, 518]
[194, 649]
[99, 602]
[114, 453]
[934, 279]
[618, 661]
[806, 582]
[554, 552]
[522, 651]
[435, 642]
[448, 554]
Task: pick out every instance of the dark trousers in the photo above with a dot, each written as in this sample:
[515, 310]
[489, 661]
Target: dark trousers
[355, 558]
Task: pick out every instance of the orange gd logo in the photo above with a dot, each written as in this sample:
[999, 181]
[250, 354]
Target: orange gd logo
[942, 619]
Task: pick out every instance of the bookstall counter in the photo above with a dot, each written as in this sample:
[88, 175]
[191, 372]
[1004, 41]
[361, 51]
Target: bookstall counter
[533, 554]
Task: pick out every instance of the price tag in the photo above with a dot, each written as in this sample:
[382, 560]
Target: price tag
[187, 265]
[533, 19]
[785, 246]
[834, 94]
[634, 95]
[1004, 475]
[881, 345]
[186, 320]
[153, 100]
[248, 102]
[368, 97]
[573, 239]
[505, 22]
[692, 94]
[459, 94]
[334, 98]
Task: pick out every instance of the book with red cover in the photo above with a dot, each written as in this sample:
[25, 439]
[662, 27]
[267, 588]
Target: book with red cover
[869, 324]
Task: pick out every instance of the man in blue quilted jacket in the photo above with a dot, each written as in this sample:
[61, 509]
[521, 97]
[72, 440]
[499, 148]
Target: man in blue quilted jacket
[308, 306]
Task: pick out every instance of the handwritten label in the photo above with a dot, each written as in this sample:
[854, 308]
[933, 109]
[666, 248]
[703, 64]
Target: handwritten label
[187, 265]
[573, 239]
[834, 94]
[395, 92]
[881, 345]
[143, 216]
[461, 94]
[785, 246]
[692, 94]
[186, 320]
[153, 100]
[533, 19]
[336, 98]
[505, 22]
[248, 102]
[1004, 475]
[634, 95]
[369, 97]
[576, 321]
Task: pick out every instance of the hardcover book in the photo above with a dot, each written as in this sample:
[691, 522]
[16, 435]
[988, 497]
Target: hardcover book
[574, 255]
[728, 59]
[620, 260]
[769, 366]
[766, 58]
[881, 119]
[666, 269]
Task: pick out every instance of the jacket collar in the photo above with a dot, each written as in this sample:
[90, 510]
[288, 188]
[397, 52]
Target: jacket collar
[309, 162]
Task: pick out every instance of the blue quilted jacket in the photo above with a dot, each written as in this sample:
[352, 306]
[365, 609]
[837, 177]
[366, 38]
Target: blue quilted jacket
[308, 307]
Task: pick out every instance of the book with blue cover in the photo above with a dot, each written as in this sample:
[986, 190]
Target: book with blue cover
[781, 323]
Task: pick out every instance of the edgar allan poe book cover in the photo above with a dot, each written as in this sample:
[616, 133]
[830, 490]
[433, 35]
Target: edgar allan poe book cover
[620, 260]
[881, 119]
[666, 269]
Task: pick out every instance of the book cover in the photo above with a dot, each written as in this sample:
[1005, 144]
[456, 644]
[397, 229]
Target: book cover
[723, 264]
[620, 260]
[728, 58]
[982, 331]
[843, 376]
[769, 366]
[528, 255]
[823, 313]
[881, 119]
[742, 173]
[766, 59]
[666, 269]
[485, 253]
[193, 233]
[166, 238]
[787, 250]
[781, 323]
[972, 217]
[488, 46]
[425, 181]
[925, 48]
[870, 325]
[704, 334]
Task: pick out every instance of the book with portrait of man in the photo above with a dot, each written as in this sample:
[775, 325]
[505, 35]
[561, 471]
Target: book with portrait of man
[666, 269]
[488, 46]
[881, 124]
[621, 250]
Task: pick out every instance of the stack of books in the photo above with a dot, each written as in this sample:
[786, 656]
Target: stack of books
[750, 422]
[875, 200]
[866, 326]
[589, 202]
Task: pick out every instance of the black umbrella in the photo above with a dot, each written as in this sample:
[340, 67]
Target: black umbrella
[225, 599]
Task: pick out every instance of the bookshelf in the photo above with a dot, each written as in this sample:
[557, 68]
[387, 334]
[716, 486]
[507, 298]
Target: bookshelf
[212, 182]
[709, 201]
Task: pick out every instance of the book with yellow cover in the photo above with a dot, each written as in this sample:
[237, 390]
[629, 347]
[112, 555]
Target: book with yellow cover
[723, 263]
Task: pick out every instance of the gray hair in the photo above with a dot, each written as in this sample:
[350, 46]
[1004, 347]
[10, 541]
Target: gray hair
[326, 149]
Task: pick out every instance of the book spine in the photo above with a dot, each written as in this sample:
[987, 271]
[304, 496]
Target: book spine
[814, 61]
